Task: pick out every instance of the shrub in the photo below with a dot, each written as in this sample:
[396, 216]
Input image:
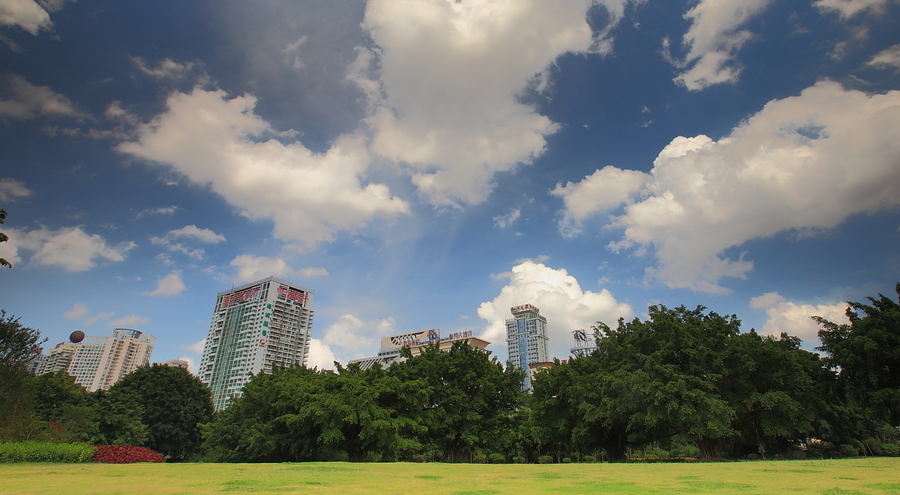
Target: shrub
[518, 459]
[497, 458]
[545, 459]
[891, 449]
[848, 450]
[567, 460]
[125, 454]
[45, 452]
[589, 458]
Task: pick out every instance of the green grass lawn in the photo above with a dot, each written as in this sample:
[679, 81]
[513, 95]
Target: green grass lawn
[827, 477]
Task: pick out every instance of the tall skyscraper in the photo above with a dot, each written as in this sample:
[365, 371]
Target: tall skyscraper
[253, 328]
[526, 339]
[98, 362]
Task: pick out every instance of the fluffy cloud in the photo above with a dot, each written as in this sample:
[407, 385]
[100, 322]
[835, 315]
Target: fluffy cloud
[77, 312]
[69, 247]
[714, 38]
[348, 338]
[796, 319]
[603, 190]
[444, 104]
[170, 240]
[801, 164]
[561, 300]
[168, 286]
[503, 221]
[889, 57]
[849, 8]
[217, 141]
[252, 268]
[10, 189]
[28, 101]
[165, 69]
[26, 14]
[320, 356]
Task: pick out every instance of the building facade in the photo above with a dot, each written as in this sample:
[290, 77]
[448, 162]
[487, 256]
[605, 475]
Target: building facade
[99, 362]
[254, 327]
[526, 339]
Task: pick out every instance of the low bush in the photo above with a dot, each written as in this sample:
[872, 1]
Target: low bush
[497, 458]
[125, 454]
[589, 458]
[45, 452]
[545, 459]
[567, 460]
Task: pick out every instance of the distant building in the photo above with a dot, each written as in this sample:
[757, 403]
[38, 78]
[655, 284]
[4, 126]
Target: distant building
[526, 339]
[99, 362]
[392, 345]
[417, 342]
[177, 363]
[253, 328]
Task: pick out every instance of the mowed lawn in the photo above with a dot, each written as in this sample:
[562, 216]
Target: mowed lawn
[828, 477]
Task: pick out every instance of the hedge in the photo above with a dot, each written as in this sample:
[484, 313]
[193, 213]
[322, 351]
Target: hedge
[46, 452]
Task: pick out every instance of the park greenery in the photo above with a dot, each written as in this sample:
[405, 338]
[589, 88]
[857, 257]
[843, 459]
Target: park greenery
[682, 384]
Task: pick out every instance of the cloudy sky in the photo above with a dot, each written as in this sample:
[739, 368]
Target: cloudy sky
[431, 163]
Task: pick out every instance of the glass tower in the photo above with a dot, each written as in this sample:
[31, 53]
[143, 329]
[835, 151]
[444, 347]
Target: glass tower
[254, 327]
[526, 339]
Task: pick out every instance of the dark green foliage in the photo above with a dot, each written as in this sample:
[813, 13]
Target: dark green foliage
[3, 238]
[66, 408]
[171, 402]
[299, 414]
[443, 404]
[18, 346]
[867, 354]
[682, 376]
[468, 403]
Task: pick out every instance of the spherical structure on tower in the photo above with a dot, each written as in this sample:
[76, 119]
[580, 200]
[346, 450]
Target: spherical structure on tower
[77, 336]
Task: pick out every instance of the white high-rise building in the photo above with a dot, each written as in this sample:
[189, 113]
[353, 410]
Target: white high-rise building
[99, 362]
[254, 327]
[526, 339]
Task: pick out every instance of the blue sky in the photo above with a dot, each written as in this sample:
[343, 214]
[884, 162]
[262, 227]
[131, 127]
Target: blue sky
[431, 163]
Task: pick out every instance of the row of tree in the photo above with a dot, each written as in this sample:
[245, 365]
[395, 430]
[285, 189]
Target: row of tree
[683, 379]
[159, 407]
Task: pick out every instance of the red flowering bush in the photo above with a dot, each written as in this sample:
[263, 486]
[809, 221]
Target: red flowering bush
[125, 454]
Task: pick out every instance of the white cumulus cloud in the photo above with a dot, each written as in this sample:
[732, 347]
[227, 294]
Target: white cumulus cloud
[190, 232]
[503, 221]
[713, 40]
[11, 189]
[444, 101]
[27, 101]
[802, 164]
[217, 141]
[849, 8]
[250, 268]
[796, 319]
[69, 247]
[27, 14]
[560, 299]
[320, 356]
[168, 286]
[889, 57]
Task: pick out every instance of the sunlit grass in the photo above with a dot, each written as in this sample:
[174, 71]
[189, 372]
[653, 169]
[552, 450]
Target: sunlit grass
[879, 476]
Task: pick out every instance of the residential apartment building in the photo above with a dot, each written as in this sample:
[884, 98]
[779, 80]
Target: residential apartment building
[98, 362]
[254, 327]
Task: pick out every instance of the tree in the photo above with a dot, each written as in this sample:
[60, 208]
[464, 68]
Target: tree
[173, 403]
[866, 354]
[300, 414]
[469, 402]
[65, 408]
[3, 238]
[18, 346]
